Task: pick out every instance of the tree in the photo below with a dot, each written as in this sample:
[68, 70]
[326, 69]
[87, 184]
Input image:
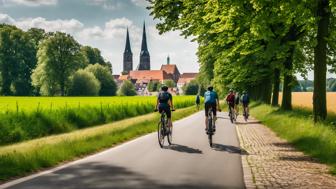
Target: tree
[169, 83]
[191, 88]
[153, 86]
[127, 89]
[17, 60]
[108, 87]
[59, 56]
[84, 83]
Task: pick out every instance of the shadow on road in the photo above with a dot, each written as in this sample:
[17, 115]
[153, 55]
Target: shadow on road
[230, 149]
[95, 175]
[186, 149]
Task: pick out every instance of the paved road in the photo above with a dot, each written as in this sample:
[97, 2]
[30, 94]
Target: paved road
[141, 163]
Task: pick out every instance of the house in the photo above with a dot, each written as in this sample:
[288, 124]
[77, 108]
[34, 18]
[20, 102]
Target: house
[184, 79]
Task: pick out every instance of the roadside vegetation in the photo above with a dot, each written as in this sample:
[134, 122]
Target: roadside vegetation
[297, 127]
[25, 118]
[31, 156]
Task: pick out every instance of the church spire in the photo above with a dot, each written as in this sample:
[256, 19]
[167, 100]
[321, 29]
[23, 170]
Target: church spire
[144, 63]
[128, 56]
[144, 39]
[128, 44]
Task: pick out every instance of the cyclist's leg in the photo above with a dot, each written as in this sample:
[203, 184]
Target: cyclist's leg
[168, 112]
[206, 108]
[214, 111]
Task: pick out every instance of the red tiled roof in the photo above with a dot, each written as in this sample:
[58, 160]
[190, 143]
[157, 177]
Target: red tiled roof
[149, 75]
[189, 75]
[184, 80]
[170, 68]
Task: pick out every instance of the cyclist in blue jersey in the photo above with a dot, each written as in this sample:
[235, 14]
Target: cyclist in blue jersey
[211, 100]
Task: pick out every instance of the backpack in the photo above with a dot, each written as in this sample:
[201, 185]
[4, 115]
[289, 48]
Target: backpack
[210, 97]
[245, 98]
[164, 97]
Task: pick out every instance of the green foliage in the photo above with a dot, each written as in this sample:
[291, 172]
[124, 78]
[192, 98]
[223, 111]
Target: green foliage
[108, 86]
[191, 88]
[84, 83]
[59, 56]
[17, 60]
[127, 89]
[169, 83]
[33, 117]
[153, 86]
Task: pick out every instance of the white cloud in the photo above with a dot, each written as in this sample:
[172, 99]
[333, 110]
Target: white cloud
[32, 3]
[68, 26]
[4, 18]
[107, 4]
[140, 3]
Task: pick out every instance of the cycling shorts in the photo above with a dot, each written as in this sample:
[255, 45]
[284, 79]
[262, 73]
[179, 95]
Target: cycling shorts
[166, 108]
[207, 107]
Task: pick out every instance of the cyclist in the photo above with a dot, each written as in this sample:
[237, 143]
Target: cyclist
[230, 99]
[211, 100]
[198, 101]
[245, 100]
[165, 103]
[237, 99]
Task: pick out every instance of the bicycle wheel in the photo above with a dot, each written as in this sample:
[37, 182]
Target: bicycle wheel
[170, 135]
[231, 116]
[161, 134]
[210, 130]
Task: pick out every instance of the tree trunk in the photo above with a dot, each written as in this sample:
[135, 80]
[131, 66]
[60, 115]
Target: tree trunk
[276, 83]
[286, 103]
[320, 61]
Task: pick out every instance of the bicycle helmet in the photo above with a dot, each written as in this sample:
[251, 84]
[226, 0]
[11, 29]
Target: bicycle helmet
[231, 90]
[164, 88]
[210, 88]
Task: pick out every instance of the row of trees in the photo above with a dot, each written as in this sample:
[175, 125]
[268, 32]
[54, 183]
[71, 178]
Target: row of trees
[52, 64]
[257, 44]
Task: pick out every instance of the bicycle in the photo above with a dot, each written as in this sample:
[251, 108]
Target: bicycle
[210, 129]
[245, 113]
[164, 130]
[232, 114]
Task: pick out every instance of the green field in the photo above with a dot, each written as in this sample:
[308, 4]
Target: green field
[25, 118]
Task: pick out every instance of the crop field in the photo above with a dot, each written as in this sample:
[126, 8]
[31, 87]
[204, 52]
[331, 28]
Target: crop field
[305, 99]
[25, 118]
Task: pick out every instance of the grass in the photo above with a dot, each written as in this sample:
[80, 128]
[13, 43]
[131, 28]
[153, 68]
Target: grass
[28, 157]
[26, 118]
[297, 127]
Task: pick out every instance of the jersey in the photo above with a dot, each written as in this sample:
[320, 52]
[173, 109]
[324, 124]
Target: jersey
[164, 97]
[210, 97]
[230, 98]
[245, 99]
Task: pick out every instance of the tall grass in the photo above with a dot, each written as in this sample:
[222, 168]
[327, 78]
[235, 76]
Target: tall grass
[27, 157]
[317, 140]
[48, 116]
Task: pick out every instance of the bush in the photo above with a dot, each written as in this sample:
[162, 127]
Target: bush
[169, 83]
[108, 87]
[127, 89]
[191, 88]
[153, 86]
[84, 83]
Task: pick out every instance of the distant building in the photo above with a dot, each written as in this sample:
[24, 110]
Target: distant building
[184, 79]
[144, 63]
[128, 56]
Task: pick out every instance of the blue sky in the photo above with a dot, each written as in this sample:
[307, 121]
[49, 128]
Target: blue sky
[102, 24]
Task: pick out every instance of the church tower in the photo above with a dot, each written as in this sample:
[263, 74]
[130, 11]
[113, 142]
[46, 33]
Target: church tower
[128, 56]
[144, 54]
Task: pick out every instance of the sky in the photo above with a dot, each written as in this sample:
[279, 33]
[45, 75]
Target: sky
[102, 24]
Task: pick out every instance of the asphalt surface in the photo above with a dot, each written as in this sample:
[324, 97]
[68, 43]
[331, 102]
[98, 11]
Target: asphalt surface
[189, 163]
